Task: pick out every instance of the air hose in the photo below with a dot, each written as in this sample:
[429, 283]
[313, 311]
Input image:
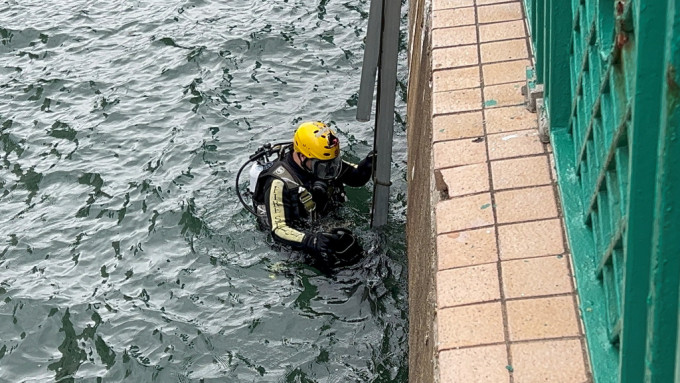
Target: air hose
[261, 156]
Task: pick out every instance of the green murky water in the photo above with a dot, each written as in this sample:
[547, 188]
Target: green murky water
[124, 253]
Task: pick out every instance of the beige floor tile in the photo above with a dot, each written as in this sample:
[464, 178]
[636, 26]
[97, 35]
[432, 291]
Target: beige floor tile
[504, 50]
[456, 17]
[457, 101]
[502, 31]
[531, 239]
[504, 72]
[465, 55]
[520, 172]
[525, 204]
[456, 126]
[466, 248]
[549, 361]
[508, 119]
[469, 179]
[503, 95]
[479, 324]
[514, 144]
[448, 37]
[500, 12]
[464, 213]
[536, 277]
[486, 364]
[540, 318]
[446, 4]
[458, 152]
[465, 285]
[455, 79]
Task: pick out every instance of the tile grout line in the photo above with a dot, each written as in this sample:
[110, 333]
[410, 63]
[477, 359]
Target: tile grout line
[490, 85]
[480, 5]
[501, 40]
[477, 23]
[506, 61]
[496, 160]
[534, 129]
[515, 299]
[444, 140]
[537, 340]
[504, 311]
[514, 188]
[564, 254]
[479, 43]
[502, 190]
[500, 225]
[475, 110]
[495, 2]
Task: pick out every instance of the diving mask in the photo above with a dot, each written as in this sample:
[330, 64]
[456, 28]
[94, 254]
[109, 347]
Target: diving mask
[326, 169]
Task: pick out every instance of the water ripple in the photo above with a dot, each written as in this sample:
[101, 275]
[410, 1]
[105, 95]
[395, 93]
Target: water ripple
[125, 253]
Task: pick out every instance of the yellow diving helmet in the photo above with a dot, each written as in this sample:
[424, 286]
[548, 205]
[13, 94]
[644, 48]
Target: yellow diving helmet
[318, 142]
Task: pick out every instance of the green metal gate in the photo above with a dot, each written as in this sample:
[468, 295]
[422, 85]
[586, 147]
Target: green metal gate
[611, 70]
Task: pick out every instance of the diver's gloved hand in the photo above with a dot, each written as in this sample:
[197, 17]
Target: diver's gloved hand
[347, 248]
[366, 165]
[320, 242]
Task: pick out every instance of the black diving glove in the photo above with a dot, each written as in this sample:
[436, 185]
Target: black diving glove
[320, 242]
[366, 165]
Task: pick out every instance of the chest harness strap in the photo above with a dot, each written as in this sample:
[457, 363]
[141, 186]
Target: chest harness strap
[291, 182]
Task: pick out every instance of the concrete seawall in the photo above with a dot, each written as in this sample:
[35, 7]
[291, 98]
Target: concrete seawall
[420, 218]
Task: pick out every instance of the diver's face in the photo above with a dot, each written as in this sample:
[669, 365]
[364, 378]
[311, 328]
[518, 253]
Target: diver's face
[303, 161]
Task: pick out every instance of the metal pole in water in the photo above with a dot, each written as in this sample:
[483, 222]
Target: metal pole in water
[370, 64]
[384, 125]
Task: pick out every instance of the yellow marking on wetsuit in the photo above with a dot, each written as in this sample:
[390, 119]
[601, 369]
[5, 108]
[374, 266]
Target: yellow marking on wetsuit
[278, 215]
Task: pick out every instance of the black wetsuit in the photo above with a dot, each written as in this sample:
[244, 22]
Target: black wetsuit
[287, 216]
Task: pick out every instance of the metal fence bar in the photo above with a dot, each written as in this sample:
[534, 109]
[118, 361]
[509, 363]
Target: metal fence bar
[547, 45]
[539, 30]
[558, 83]
[643, 141]
[663, 314]
[370, 63]
[384, 127]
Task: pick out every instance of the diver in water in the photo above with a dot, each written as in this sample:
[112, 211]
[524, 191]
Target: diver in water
[306, 182]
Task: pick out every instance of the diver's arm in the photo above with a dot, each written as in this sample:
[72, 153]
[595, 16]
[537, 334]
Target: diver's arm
[276, 214]
[357, 175]
[282, 232]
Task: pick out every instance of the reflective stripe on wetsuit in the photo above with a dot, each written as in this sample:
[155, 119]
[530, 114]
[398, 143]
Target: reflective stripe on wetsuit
[277, 215]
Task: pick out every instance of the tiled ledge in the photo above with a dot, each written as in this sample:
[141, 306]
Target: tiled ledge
[506, 301]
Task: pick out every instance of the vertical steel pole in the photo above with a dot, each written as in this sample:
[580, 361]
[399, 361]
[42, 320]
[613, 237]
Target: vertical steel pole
[384, 125]
[370, 64]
